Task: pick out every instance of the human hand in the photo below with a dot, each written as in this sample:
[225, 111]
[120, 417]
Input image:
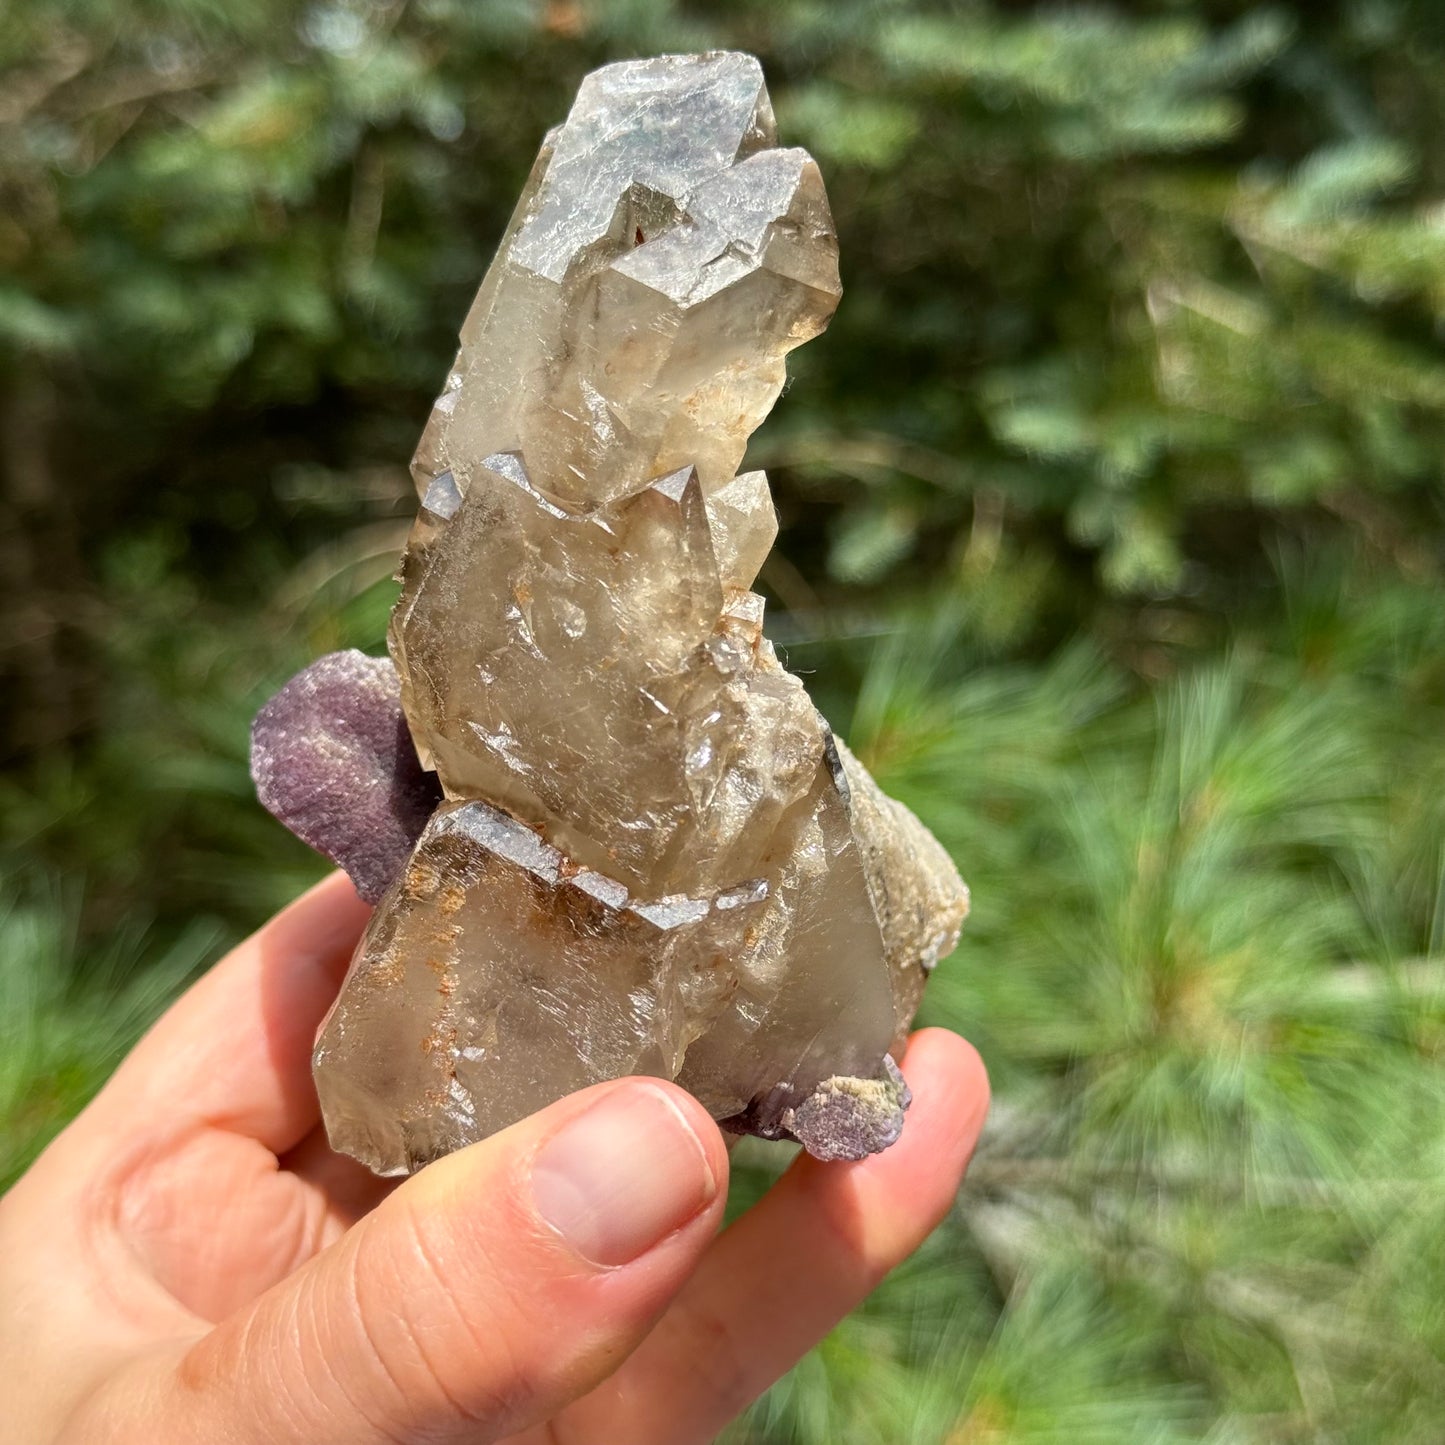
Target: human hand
[189, 1263]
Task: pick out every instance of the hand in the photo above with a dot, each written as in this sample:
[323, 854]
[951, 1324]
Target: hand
[190, 1263]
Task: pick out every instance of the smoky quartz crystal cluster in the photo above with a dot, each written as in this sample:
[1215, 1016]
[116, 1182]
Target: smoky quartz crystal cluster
[605, 831]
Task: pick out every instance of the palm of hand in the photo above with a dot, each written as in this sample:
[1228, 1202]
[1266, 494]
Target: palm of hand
[191, 1262]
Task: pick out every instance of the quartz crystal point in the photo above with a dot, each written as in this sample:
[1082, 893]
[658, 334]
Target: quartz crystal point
[653, 856]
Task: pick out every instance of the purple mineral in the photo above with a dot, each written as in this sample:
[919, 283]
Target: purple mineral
[333, 760]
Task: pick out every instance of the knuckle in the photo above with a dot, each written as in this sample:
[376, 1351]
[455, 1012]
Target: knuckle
[422, 1303]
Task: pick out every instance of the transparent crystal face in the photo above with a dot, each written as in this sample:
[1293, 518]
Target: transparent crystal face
[496, 977]
[663, 259]
[591, 672]
[653, 857]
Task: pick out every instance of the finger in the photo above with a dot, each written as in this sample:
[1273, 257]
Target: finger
[349, 1188]
[235, 1050]
[784, 1274]
[485, 1293]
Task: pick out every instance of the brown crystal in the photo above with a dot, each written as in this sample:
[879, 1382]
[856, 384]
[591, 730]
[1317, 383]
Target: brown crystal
[654, 857]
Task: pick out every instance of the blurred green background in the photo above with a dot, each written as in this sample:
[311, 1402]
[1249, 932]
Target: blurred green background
[1113, 533]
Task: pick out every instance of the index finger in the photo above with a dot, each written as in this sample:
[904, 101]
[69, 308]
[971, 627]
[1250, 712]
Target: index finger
[234, 1052]
[775, 1282]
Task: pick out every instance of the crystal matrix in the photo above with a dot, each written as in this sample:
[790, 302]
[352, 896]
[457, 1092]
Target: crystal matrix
[652, 855]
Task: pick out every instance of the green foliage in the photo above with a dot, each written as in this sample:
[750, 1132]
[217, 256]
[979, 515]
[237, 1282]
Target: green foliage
[68, 1014]
[1208, 981]
[1112, 539]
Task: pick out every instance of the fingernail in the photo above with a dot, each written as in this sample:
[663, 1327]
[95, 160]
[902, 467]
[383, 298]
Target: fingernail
[622, 1176]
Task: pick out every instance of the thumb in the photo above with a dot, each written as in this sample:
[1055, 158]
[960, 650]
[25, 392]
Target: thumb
[484, 1294]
